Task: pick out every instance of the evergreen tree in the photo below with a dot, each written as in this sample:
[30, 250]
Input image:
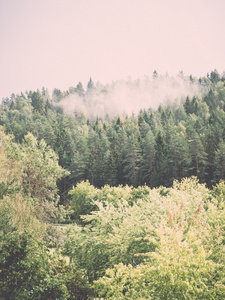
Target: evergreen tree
[112, 168]
[93, 156]
[90, 84]
[210, 146]
[187, 106]
[160, 166]
[57, 95]
[79, 89]
[198, 156]
[103, 159]
[131, 161]
[148, 158]
[37, 101]
[178, 154]
[122, 138]
[143, 128]
[214, 76]
[220, 161]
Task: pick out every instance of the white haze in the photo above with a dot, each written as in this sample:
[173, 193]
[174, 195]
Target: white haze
[129, 97]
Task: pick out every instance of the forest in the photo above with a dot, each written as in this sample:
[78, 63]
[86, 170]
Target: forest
[96, 203]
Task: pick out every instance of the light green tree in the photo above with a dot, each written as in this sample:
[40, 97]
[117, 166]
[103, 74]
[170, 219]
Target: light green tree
[185, 262]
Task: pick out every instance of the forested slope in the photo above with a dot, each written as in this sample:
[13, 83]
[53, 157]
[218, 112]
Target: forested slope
[154, 147]
[138, 229]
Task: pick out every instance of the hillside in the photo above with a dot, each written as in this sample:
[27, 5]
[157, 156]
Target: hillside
[180, 137]
[120, 206]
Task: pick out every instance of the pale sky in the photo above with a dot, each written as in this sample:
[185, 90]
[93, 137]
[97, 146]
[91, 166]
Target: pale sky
[57, 43]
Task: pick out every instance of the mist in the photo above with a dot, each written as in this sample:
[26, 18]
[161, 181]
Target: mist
[128, 97]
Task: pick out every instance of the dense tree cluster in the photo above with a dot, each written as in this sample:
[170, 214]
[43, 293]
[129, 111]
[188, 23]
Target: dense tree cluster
[143, 243]
[153, 148]
[143, 196]
[28, 207]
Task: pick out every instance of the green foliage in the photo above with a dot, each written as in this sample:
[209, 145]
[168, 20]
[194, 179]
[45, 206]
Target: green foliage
[21, 213]
[81, 203]
[147, 164]
[27, 271]
[37, 101]
[218, 192]
[84, 196]
[62, 282]
[131, 161]
[28, 177]
[7, 188]
[116, 230]
[21, 260]
[155, 147]
[115, 195]
[133, 242]
[220, 161]
[41, 169]
[153, 244]
[160, 166]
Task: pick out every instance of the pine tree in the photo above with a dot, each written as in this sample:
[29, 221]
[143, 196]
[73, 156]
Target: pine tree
[187, 106]
[160, 166]
[37, 102]
[220, 161]
[148, 158]
[178, 155]
[93, 160]
[79, 89]
[131, 161]
[210, 146]
[90, 84]
[198, 156]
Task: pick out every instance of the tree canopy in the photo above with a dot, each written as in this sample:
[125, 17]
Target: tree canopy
[113, 206]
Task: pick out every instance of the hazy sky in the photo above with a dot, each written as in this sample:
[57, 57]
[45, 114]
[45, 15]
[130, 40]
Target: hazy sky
[57, 43]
